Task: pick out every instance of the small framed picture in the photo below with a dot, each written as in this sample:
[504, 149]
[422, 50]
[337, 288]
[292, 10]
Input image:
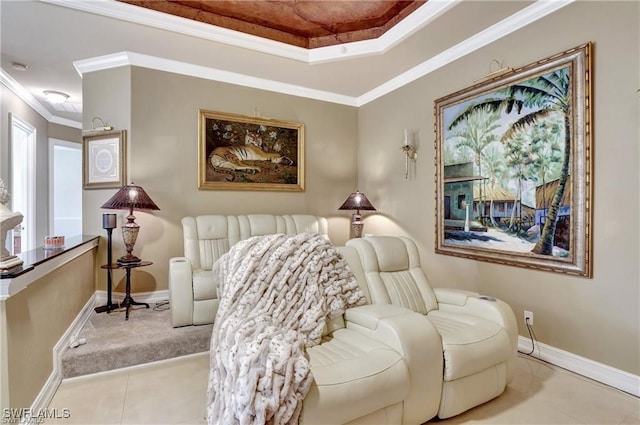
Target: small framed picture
[104, 160]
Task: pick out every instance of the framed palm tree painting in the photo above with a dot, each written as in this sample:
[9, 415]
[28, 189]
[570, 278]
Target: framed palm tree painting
[513, 167]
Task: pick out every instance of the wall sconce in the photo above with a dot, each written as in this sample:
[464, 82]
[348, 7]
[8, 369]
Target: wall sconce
[102, 128]
[97, 130]
[409, 152]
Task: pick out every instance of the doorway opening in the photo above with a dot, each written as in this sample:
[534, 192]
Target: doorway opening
[23, 180]
[65, 188]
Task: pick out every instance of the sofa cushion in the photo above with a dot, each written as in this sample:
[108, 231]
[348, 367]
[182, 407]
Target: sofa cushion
[391, 254]
[353, 376]
[351, 257]
[402, 290]
[392, 271]
[470, 344]
[204, 288]
[333, 324]
[205, 239]
[204, 311]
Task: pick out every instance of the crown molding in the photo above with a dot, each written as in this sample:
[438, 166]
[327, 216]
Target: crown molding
[34, 103]
[501, 29]
[415, 21]
[126, 12]
[100, 63]
[154, 19]
[8, 81]
[405, 28]
[495, 32]
[152, 62]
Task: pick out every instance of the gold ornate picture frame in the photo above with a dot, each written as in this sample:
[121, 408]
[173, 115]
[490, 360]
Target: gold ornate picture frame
[104, 160]
[514, 176]
[238, 152]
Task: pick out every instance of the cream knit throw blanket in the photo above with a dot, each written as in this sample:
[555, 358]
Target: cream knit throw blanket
[276, 293]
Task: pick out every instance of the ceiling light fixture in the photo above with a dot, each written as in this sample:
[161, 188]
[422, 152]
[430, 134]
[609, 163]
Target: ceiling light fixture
[56, 97]
[19, 66]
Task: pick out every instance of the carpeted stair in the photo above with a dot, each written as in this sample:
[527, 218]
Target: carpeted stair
[147, 336]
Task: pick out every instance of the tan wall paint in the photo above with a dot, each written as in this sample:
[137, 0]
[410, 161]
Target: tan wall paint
[596, 318]
[4, 359]
[36, 318]
[163, 152]
[62, 132]
[107, 95]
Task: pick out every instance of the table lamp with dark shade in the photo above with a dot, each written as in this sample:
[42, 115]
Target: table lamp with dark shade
[357, 201]
[130, 197]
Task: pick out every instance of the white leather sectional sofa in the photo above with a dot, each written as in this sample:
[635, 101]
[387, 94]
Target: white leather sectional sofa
[411, 354]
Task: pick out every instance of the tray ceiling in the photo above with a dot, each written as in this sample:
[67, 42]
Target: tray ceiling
[308, 24]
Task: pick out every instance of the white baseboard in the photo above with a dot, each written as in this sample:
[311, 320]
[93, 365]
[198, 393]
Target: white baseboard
[624, 381]
[143, 297]
[49, 388]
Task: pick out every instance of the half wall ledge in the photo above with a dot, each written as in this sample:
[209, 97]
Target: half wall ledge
[39, 262]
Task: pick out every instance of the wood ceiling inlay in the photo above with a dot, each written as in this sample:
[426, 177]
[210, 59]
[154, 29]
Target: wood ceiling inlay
[307, 24]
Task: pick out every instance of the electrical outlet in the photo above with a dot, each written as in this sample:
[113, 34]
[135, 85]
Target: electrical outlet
[528, 317]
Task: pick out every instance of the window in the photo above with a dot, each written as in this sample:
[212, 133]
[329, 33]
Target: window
[462, 202]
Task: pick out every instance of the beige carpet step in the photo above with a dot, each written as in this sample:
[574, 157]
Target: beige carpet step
[114, 343]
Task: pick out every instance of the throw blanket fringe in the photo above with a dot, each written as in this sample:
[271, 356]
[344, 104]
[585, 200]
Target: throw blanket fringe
[276, 294]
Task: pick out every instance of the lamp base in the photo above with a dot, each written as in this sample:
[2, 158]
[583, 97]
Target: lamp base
[129, 259]
[107, 308]
[356, 225]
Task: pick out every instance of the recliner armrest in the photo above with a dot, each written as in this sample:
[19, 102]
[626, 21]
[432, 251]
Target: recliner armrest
[472, 303]
[370, 315]
[181, 291]
[457, 297]
[413, 336]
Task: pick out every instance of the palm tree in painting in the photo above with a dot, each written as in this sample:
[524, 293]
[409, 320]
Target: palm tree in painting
[519, 163]
[545, 154]
[494, 164]
[478, 133]
[540, 97]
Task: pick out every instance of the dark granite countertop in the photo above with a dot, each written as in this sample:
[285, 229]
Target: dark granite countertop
[37, 256]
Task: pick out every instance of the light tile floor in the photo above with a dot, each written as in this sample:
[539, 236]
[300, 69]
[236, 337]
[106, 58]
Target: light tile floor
[174, 392]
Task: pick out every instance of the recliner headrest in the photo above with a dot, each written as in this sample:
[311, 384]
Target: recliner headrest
[391, 253]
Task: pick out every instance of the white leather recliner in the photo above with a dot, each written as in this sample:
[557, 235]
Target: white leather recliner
[377, 364]
[192, 291]
[479, 334]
